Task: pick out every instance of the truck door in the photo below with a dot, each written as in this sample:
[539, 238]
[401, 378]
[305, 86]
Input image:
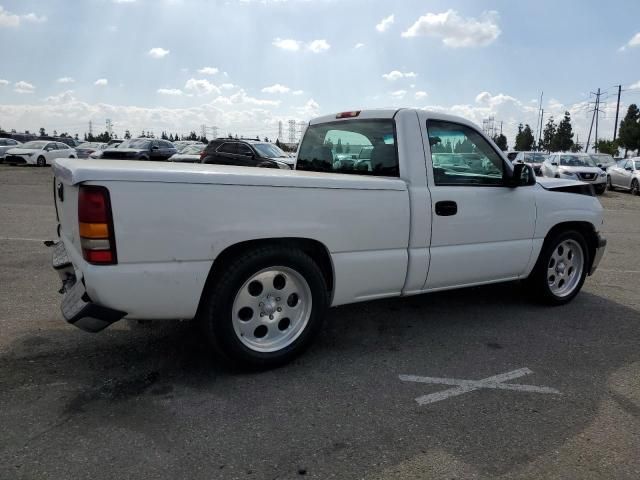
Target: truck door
[482, 231]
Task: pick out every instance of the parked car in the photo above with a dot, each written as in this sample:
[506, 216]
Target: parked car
[575, 166]
[262, 253]
[182, 144]
[140, 149]
[189, 153]
[603, 160]
[246, 153]
[84, 150]
[535, 159]
[38, 152]
[114, 142]
[625, 176]
[7, 144]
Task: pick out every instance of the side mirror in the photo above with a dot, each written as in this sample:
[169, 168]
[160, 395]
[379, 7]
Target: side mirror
[555, 164]
[628, 168]
[523, 176]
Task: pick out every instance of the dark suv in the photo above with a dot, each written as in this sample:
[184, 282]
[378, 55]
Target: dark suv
[245, 153]
[141, 149]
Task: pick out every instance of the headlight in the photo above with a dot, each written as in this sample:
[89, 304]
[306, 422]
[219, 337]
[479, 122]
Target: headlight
[28, 154]
[567, 173]
[603, 174]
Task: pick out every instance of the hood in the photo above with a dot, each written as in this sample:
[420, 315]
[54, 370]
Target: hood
[124, 150]
[22, 151]
[551, 183]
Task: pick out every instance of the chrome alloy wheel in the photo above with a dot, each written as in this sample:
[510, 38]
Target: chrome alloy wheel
[565, 268]
[271, 309]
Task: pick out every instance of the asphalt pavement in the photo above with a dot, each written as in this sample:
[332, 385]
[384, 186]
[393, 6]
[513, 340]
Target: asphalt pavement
[556, 392]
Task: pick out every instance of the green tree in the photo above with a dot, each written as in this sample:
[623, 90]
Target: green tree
[548, 135]
[607, 146]
[524, 139]
[464, 147]
[501, 142]
[339, 146]
[629, 133]
[563, 139]
[576, 148]
[42, 132]
[127, 134]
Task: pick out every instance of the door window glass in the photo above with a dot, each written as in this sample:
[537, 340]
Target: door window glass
[461, 156]
[228, 148]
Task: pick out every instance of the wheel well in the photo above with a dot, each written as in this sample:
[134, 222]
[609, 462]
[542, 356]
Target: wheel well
[585, 228]
[316, 250]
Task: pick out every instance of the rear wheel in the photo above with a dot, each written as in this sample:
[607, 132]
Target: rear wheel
[561, 268]
[609, 185]
[266, 308]
[635, 187]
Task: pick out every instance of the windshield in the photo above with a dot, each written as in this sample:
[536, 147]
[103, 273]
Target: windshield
[269, 150]
[577, 161]
[35, 145]
[637, 165]
[141, 143]
[535, 157]
[604, 160]
[193, 149]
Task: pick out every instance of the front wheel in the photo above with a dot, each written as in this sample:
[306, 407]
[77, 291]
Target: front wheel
[561, 268]
[266, 307]
[635, 187]
[41, 162]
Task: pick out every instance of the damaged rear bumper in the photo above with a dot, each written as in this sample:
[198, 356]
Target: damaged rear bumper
[77, 308]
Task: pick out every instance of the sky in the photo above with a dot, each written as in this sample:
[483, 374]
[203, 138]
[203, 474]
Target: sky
[245, 65]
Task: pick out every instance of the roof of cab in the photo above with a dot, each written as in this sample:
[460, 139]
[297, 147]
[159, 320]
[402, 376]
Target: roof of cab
[384, 113]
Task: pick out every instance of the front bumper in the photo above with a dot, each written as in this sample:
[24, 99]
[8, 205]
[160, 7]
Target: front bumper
[77, 308]
[600, 247]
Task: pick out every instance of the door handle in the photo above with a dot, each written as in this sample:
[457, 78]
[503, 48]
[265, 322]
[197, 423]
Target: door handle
[446, 208]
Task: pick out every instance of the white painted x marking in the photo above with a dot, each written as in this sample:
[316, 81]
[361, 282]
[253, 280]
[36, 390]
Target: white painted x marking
[464, 386]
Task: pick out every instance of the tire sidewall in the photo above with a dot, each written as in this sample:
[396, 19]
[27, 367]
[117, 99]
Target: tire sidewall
[41, 162]
[635, 189]
[218, 321]
[548, 248]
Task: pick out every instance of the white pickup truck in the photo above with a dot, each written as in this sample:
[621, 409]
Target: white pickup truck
[257, 255]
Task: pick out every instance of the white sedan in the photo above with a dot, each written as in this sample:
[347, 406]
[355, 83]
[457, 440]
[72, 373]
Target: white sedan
[39, 152]
[626, 175]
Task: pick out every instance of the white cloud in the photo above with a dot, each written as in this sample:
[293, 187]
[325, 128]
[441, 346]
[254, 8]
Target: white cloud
[208, 70]
[66, 80]
[3, 83]
[101, 82]
[64, 97]
[291, 45]
[297, 92]
[175, 92]
[456, 31]
[241, 97]
[399, 94]
[385, 23]
[309, 110]
[633, 86]
[158, 52]
[420, 95]
[318, 46]
[276, 88]
[23, 87]
[8, 19]
[287, 44]
[227, 86]
[123, 1]
[397, 75]
[358, 45]
[201, 87]
[633, 42]
[112, 28]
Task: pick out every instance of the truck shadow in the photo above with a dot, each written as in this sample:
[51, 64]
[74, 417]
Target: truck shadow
[350, 376]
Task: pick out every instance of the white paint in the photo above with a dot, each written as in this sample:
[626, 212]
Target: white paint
[465, 386]
[18, 239]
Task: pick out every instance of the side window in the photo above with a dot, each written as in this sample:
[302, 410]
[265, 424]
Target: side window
[357, 147]
[228, 148]
[244, 150]
[461, 156]
[627, 164]
[166, 144]
[51, 146]
[61, 146]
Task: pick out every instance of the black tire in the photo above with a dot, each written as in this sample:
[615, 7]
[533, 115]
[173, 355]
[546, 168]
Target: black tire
[610, 185]
[537, 281]
[600, 189]
[635, 187]
[216, 309]
[41, 162]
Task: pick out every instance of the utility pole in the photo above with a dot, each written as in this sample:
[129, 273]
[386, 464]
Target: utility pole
[539, 122]
[540, 129]
[109, 126]
[90, 128]
[292, 131]
[280, 131]
[595, 141]
[214, 131]
[615, 125]
[596, 110]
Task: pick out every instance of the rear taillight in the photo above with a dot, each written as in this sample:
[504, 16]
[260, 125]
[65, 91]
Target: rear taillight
[96, 225]
[202, 155]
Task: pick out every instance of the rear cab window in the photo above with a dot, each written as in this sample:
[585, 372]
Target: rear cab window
[357, 147]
